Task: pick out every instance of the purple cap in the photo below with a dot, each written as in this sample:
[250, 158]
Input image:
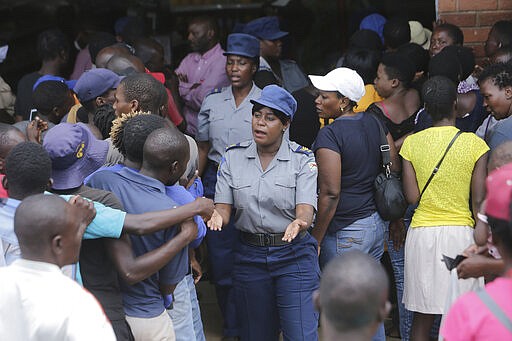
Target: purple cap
[94, 83]
[266, 28]
[70, 83]
[75, 154]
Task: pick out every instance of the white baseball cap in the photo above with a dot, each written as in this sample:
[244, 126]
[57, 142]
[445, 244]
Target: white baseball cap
[344, 80]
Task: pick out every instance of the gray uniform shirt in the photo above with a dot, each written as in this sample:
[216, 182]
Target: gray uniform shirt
[265, 200]
[222, 123]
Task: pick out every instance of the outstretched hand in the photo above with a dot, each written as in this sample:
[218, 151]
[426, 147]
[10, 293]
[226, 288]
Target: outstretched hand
[293, 229]
[215, 222]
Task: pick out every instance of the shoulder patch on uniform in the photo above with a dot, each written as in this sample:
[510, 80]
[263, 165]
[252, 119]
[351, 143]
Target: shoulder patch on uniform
[238, 145]
[215, 91]
[303, 150]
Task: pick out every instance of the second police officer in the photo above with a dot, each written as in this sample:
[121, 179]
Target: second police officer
[225, 119]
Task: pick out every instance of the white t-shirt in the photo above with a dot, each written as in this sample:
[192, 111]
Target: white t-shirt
[37, 302]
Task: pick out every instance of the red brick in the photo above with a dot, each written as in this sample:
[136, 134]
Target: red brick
[462, 19]
[505, 4]
[475, 35]
[477, 5]
[489, 18]
[447, 6]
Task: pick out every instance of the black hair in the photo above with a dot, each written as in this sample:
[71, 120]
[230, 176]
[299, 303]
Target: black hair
[416, 54]
[279, 114]
[453, 31]
[145, 89]
[135, 133]
[499, 73]
[501, 230]
[396, 32]
[439, 94]
[446, 63]
[28, 169]
[466, 59]
[103, 117]
[365, 39]
[364, 62]
[145, 50]
[399, 67]
[49, 95]
[98, 41]
[503, 31]
[51, 43]
[82, 115]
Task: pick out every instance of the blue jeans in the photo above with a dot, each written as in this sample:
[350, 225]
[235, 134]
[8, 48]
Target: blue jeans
[181, 312]
[367, 235]
[196, 312]
[274, 290]
[398, 263]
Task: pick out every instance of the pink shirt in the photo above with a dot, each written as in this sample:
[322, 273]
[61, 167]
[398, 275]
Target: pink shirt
[208, 70]
[470, 319]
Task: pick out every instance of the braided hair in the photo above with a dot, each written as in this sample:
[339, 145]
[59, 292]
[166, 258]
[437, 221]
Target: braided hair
[439, 94]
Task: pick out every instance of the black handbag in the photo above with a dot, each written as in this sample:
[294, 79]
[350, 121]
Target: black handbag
[389, 196]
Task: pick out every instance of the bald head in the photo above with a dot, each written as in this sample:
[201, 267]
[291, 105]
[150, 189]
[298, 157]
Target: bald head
[500, 156]
[353, 292]
[125, 65]
[151, 53]
[108, 52]
[166, 149]
[46, 229]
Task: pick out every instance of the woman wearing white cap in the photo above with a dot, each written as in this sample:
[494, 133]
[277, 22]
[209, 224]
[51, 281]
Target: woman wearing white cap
[349, 159]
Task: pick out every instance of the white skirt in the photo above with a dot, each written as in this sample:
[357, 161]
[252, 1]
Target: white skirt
[427, 279]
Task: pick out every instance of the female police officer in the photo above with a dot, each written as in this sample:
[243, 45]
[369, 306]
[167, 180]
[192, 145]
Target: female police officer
[225, 119]
[271, 182]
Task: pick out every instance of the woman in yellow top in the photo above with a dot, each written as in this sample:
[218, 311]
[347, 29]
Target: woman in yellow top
[443, 222]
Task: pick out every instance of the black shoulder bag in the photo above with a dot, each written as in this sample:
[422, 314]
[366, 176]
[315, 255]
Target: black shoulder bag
[389, 195]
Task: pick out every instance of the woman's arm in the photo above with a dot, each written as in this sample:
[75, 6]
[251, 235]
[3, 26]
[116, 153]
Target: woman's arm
[396, 165]
[478, 184]
[303, 220]
[329, 183]
[411, 190]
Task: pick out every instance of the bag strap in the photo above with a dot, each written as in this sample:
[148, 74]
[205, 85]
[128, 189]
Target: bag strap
[384, 145]
[436, 168]
[495, 309]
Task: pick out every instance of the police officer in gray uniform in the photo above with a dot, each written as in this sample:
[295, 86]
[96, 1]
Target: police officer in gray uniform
[225, 119]
[271, 182]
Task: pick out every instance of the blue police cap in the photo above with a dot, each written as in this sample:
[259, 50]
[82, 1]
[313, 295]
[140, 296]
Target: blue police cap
[266, 28]
[244, 45]
[275, 97]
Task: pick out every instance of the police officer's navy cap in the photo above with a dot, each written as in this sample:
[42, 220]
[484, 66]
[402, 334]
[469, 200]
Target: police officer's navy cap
[266, 28]
[244, 45]
[275, 97]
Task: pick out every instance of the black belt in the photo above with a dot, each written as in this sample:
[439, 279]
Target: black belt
[267, 239]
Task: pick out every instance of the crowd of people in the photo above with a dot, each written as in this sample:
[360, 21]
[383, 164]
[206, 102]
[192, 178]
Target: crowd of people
[114, 179]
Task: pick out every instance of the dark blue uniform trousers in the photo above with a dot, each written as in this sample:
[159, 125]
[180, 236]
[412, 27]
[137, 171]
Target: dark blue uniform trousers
[220, 253]
[274, 290]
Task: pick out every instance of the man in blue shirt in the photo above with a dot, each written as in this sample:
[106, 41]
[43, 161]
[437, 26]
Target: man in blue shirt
[28, 169]
[166, 154]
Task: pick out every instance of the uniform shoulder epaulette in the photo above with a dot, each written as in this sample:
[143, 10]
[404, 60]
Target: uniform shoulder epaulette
[302, 150]
[244, 144]
[215, 91]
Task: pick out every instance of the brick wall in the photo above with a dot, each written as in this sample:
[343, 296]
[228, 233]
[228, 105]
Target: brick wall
[475, 18]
